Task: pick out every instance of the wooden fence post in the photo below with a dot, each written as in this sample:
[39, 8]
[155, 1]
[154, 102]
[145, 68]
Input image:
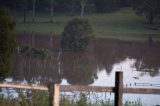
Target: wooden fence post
[54, 94]
[118, 88]
[50, 90]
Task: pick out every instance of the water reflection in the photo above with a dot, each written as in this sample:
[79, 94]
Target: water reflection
[82, 67]
[79, 67]
[147, 57]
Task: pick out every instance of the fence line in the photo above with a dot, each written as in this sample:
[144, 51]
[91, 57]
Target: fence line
[55, 89]
[23, 86]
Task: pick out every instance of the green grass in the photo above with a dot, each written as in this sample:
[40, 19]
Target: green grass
[36, 98]
[124, 23]
[41, 98]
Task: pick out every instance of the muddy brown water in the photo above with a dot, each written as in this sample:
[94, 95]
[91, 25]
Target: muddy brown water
[140, 62]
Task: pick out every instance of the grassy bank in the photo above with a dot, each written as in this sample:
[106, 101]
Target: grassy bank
[122, 24]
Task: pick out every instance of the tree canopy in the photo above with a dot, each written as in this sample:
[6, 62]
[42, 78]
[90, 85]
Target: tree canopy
[103, 6]
[149, 8]
[66, 5]
[7, 41]
[76, 34]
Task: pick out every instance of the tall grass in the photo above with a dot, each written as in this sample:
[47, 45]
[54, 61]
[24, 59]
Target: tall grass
[40, 98]
[133, 103]
[35, 98]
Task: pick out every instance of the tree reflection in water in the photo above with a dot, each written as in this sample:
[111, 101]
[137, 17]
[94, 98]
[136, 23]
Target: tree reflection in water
[110, 52]
[81, 67]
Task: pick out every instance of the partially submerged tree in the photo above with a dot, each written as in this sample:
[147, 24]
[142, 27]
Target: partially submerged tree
[7, 42]
[76, 34]
[35, 52]
[149, 8]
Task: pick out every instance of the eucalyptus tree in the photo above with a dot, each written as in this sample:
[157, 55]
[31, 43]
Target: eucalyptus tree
[33, 10]
[51, 20]
[83, 4]
[52, 5]
[35, 53]
[23, 4]
[7, 41]
[24, 10]
[149, 8]
[76, 35]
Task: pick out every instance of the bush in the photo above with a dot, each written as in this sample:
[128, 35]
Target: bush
[76, 35]
[7, 41]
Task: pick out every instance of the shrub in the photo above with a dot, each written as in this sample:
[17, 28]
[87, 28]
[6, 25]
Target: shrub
[7, 41]
[76, 35]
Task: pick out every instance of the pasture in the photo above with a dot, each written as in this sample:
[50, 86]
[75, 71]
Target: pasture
[123, 24]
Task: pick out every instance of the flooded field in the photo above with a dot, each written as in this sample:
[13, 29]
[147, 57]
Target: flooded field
[139, 61]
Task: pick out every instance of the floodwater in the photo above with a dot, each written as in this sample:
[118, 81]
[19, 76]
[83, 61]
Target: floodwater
[139, 61]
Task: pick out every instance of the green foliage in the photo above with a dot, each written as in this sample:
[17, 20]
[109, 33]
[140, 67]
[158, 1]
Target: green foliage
[148, 8]
[83, 100]
[108, 103]
[35, 52]
[103, 103]
[7, 41]
[41, 98]
[64, 5]
[22, 98]
[65, 102]
[36, 98]
[76, 34]
[135, 103]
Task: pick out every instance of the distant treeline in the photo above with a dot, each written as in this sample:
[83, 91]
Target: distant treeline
[148, 8]
[74, 6]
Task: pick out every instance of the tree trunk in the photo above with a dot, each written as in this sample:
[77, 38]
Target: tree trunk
[24, 7]
[151, 17]
[29, 66]
[33, 11]
[32, 39]
[83, 3]
[51, 18]
[24, 16]
[51, 41]
[82, 10]
[72, 8]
